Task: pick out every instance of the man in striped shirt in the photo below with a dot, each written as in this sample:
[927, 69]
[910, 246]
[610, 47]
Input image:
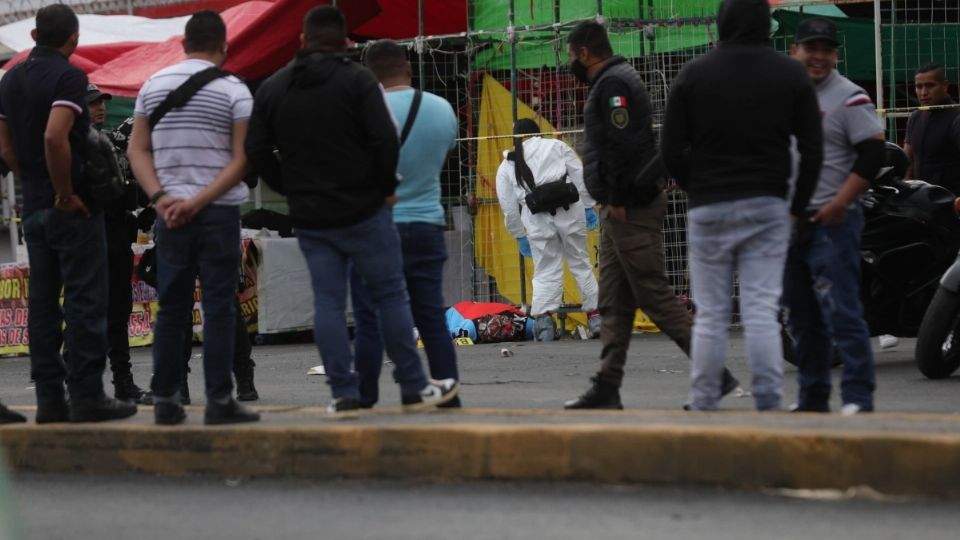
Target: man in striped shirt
[190, 165]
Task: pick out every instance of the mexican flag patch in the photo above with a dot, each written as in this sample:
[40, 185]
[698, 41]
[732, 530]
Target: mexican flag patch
[618, 101]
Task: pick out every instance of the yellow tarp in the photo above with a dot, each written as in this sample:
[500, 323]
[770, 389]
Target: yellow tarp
[495, 250]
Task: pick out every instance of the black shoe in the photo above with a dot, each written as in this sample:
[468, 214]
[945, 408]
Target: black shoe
[344, 407]
[168, 413]
[10, 417]
[452, 404]
[230, 412]
[730, 383]
[52, 411]
[599, 396]
[246, 391]
[125, 389]
[100, 409]
[51, 404]
[434, 394]
[811, 407]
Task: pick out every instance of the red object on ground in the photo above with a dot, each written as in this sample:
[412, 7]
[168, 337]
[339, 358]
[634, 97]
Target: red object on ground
[475, 310]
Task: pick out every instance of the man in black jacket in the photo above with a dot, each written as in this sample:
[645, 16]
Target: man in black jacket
[338, 150]
[621, 173]
[731, 155]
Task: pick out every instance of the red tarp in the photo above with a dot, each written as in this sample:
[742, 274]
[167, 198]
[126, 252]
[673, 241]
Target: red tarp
[263, 36]
[398, 19]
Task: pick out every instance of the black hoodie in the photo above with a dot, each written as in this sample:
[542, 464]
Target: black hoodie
[731, 113]
[337, 143]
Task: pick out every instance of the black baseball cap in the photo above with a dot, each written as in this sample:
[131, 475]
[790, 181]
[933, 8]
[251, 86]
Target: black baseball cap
[815, 29]
[94, 93]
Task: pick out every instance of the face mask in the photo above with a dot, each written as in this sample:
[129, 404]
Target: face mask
[579, 71]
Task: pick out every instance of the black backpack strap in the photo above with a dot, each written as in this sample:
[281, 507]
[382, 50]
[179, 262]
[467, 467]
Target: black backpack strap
[182, 94]
[411, 116]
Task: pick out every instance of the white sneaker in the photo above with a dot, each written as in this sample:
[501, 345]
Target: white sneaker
[435, 393]
[888, 341]
[850, 409]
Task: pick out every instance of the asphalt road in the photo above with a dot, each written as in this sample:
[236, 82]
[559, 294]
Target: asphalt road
[541, 375]
[72, 507]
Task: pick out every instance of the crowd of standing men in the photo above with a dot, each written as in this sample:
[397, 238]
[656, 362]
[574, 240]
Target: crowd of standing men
[358, 151]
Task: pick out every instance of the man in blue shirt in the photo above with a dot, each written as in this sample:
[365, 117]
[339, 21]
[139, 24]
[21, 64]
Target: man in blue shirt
[43, 127]
[418, 215]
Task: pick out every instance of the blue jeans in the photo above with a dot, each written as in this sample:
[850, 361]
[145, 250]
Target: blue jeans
[424, 252]
[822, 293]
[208, 246]
[373, 247]
[67, 251]
[748, 236]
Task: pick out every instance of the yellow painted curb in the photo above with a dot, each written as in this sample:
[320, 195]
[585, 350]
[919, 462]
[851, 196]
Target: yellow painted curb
[735, 457]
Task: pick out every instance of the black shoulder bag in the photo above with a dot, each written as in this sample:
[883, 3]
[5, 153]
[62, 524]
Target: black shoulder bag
[411, 116]
[183, 93]
[548, 197]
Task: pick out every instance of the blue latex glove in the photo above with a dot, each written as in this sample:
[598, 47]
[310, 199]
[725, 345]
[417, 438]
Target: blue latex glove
[592, 220]
[524, 245]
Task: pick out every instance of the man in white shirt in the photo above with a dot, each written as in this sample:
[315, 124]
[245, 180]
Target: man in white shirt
[549, 236]
[190, 165]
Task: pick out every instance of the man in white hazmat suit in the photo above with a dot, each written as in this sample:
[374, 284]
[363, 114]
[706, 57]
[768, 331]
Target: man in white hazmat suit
[549, 235]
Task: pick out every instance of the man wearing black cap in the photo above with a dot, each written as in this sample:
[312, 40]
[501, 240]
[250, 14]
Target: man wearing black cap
[822, 276]
[732, 157]
[121, 232]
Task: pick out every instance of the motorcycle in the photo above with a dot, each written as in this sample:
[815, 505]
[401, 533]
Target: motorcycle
[911, 236]
[938, 341]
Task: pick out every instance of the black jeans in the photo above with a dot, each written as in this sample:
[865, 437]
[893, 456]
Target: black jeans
[209, 246]
[67, 252]
[119, 297]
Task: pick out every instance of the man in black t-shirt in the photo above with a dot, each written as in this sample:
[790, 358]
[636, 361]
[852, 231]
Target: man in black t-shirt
[933, 136]
[43, 127]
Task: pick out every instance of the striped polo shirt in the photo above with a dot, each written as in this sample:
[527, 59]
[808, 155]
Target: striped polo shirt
[192, 144]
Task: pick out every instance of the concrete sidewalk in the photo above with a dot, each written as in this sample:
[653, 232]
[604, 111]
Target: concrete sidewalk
[514, 430]
[901, 454]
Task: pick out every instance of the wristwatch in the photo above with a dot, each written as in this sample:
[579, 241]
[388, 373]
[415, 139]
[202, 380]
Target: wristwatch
[61, 199]
[157, 196]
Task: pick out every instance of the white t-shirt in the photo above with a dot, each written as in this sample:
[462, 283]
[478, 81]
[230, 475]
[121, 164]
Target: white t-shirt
[192, 144]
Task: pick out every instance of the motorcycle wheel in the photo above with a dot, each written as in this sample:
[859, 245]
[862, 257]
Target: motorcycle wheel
[938, 342]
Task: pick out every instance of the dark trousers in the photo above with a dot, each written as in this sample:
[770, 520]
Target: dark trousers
[67, 252]
[822, 293]
[424, 253]
[119, 295]
[208, 246]
[242, 357]
[632, 276]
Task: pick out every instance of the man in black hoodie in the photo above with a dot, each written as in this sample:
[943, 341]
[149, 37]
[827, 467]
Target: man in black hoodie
[726, 139]
[621, 172]
[338, 150]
